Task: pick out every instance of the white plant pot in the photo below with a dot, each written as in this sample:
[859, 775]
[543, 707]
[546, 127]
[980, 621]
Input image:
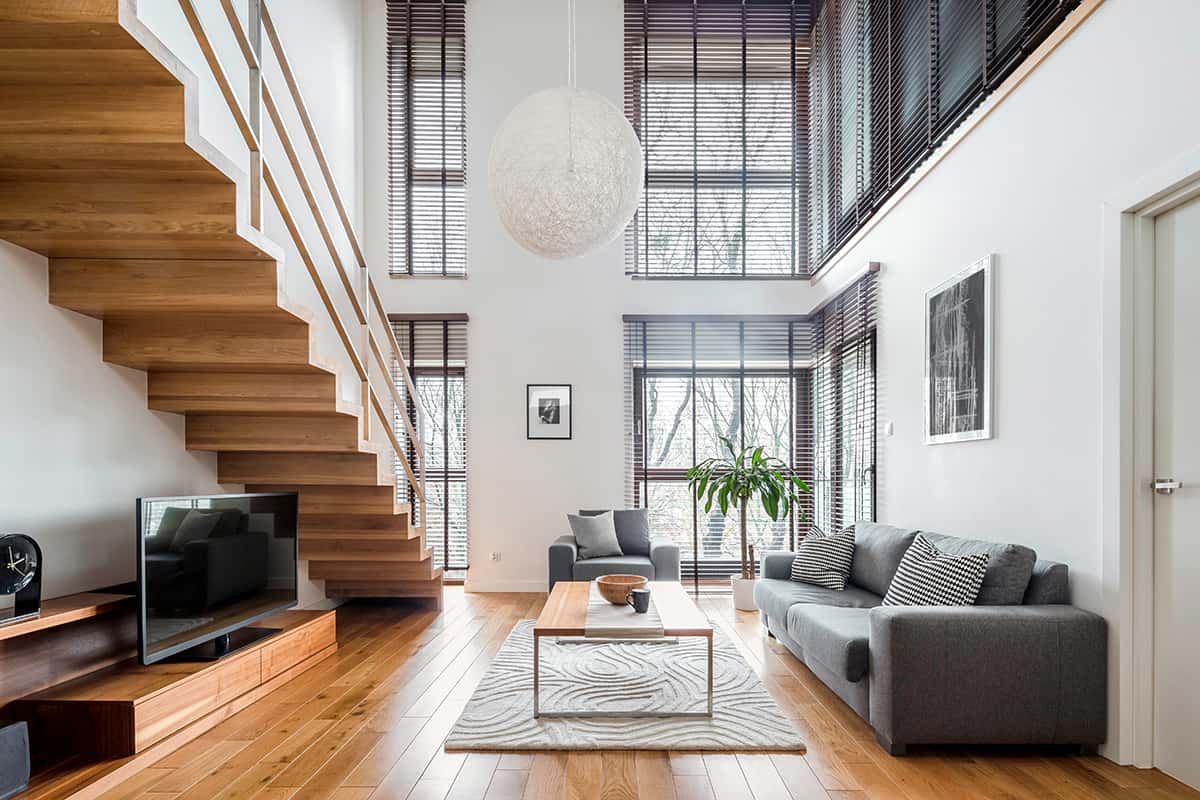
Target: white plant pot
[743, 593]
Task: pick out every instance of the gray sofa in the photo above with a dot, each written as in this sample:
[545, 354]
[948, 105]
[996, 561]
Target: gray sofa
[1022, 666]
[656, 559]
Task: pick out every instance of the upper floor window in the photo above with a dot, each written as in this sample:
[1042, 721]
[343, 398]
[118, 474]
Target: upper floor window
[427, 176]
[890, 82]
[718, 94]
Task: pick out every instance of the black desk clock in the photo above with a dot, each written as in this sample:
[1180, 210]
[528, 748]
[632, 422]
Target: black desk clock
[21, 576]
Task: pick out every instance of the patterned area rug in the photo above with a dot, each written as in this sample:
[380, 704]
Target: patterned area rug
[625, 677]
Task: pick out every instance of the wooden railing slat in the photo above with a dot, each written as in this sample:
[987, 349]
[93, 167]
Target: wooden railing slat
[289, 78]
[267, 176]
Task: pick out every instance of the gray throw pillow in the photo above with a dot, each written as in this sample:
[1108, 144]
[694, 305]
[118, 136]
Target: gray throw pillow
[633, 529]
[195, 526]
[595, 536]
[877, 553]
[1010, 567]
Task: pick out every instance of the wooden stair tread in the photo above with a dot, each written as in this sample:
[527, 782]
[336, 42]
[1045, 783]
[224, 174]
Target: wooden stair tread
[248, 393]
[338, 501]
[384, 588]
[415, 569]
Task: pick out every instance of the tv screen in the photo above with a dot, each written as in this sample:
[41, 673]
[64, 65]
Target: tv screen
[210, 565]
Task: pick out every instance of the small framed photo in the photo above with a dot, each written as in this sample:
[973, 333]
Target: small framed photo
[548, 411]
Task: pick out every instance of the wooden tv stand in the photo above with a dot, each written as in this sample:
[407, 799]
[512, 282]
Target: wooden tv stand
[126, 716]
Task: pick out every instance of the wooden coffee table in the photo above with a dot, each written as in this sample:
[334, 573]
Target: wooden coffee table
[565, 614]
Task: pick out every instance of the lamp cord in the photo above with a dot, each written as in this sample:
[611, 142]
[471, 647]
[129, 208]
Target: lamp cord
[571, 43]
[570, 85]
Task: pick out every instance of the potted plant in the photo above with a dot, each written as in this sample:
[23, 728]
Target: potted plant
[726, 482]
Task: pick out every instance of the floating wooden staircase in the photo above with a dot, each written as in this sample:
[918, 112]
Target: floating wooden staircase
[147, 227]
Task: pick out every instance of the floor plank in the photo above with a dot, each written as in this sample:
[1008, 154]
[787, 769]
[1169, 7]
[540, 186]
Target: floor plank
[369, 722]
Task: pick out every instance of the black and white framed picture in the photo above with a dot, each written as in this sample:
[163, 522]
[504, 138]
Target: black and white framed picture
[548, 411]
[958, 356]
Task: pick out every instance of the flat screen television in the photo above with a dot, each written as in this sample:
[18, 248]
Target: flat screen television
[209, 566]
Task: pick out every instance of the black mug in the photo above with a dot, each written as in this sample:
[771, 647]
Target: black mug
[639, 599]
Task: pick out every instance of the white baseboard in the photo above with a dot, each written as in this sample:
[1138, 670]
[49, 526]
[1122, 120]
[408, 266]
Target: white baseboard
[499, 586]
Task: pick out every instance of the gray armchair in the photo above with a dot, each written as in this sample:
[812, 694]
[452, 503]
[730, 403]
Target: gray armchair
[565, 565]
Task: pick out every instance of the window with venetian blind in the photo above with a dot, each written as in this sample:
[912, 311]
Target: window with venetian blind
[890, 81]
[718, 94]
[436, 353]
[426, 76]
[801, 386]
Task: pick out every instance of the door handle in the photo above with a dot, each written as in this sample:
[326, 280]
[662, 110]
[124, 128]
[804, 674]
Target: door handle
[1166, 485]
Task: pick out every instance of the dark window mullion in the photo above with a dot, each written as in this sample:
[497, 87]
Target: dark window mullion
[442, 132]
[695, 504]
[408, 146]
[695, 140]
[745, 152]
[446, 442]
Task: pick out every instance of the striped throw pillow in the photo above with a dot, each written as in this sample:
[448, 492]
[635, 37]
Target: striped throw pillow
[824, 560]
[929, 577]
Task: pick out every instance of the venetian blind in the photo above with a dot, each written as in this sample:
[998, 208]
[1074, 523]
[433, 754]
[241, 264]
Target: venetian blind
[890, 81]
[426, 74]
[436, 352]
[802, 386]
[717, 92]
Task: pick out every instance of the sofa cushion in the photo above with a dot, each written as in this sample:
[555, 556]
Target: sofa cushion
[877, 553]
[595, 536]
[824, 560]
[172, 516]
[633, 529]
[775, 596]
[929, 577]
[837, 637]
[592, 568]
[1008, 571]
[1048, 585]
[196, 525]
[229, 523]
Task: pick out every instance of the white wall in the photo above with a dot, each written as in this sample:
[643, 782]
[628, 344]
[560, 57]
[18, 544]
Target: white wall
[1028, 185]
[532, 320]
[77, 444]
[1111, 104]
[331, 82]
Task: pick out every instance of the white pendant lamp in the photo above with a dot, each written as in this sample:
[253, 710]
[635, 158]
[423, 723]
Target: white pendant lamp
[565, 170]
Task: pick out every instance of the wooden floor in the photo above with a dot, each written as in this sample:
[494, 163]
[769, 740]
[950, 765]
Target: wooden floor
[369, 723]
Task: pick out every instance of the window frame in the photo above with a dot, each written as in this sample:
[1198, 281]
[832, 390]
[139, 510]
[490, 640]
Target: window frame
[639, 80]
[445, 476]
[405, 179]
[644, 475]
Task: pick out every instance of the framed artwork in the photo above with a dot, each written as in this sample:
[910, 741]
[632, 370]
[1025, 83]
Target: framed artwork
[548, 411]
[958, 356]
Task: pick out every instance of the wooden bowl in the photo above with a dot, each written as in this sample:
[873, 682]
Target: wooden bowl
[615, 588]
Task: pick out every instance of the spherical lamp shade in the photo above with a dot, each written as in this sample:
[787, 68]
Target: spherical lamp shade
[565, 172]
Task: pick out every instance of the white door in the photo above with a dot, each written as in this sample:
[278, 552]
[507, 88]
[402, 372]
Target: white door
[1177, 514]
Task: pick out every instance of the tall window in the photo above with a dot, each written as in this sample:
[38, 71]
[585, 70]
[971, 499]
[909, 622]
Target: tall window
[718, 94]
[802, 387]
[427, 175]
[890, 81]
[436, 352]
